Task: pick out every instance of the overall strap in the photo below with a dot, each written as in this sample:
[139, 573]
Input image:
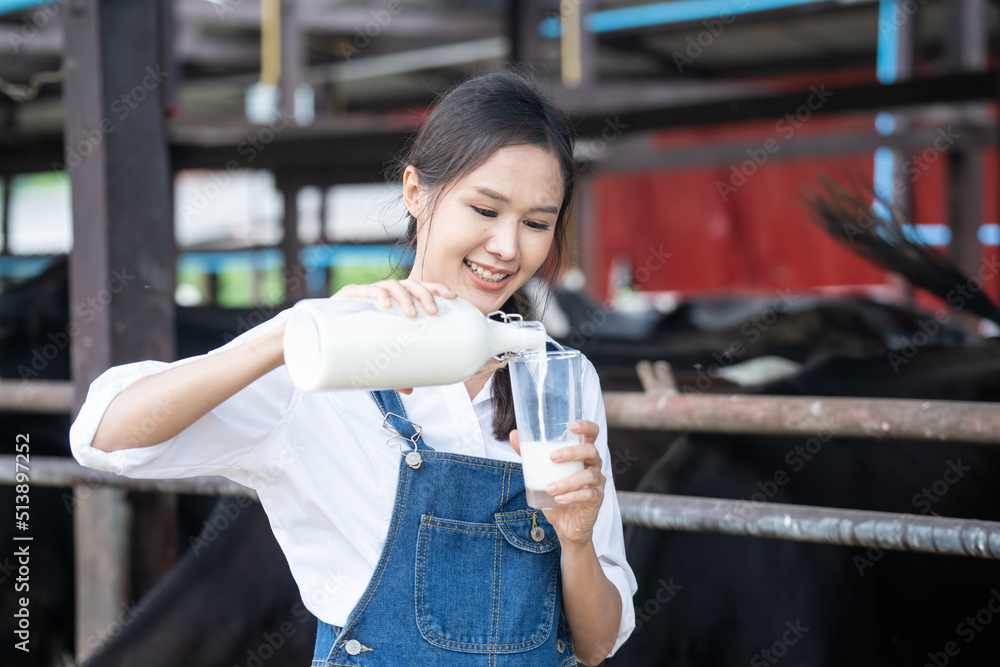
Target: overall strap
[395, 414]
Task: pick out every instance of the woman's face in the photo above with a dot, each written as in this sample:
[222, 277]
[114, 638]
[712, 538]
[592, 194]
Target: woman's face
[492, 229]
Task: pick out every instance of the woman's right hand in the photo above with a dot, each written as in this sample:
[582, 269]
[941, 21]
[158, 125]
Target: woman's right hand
[406, 292]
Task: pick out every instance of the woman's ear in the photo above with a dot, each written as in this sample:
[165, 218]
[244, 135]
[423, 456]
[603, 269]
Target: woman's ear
[412, 194]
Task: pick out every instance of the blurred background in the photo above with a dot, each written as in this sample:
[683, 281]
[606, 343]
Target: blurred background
[699, 128]
[808, 186]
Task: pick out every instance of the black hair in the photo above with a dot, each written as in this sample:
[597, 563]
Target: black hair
[468, 125]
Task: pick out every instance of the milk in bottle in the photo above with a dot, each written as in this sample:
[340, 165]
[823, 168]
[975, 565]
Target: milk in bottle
[358, 344]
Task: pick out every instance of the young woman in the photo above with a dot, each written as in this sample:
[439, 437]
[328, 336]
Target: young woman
[442, 564]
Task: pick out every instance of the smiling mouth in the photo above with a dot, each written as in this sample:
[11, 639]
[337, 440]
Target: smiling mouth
[484, 274]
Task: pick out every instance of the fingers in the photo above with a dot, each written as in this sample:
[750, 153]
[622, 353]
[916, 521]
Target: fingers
[586, 485]
[587, 429]
[407, 293]
[592, 494]
[582, 487]
[585, 452]
[423, 293]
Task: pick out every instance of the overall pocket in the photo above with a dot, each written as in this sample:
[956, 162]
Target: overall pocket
[487, 587]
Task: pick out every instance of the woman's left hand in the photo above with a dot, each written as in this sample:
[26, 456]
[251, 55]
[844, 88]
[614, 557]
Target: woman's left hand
[585, 488]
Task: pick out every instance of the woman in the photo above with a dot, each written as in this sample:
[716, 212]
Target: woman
[487, 186]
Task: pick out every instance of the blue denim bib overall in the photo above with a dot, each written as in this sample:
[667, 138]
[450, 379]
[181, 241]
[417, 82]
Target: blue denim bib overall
[469, 574]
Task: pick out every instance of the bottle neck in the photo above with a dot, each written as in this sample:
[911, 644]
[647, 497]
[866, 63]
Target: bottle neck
[516, 337]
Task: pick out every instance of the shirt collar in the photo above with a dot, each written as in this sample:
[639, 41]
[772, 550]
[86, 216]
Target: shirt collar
[486, 392]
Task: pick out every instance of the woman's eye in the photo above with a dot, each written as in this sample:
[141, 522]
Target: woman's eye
[536, 225]
[485, 211]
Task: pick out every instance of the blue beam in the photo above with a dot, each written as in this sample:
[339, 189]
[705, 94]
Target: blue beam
[887, 70]
[7, 6]
[313, 256]
[887, 59]
[664, 13]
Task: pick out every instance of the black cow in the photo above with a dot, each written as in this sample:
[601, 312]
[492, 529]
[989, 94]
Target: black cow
[230, 601]
[716, 600]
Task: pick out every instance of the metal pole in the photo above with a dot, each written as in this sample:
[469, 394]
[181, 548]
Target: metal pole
[876, 418]
[59, 471]
[826, 525]
[45, 396]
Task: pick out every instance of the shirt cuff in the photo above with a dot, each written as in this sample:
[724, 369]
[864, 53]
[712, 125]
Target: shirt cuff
[84, 427]
[617, 577]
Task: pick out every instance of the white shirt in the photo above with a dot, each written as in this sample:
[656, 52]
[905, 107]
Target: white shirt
[324, 476]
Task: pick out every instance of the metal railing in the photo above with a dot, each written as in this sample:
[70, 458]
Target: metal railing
[879, 419]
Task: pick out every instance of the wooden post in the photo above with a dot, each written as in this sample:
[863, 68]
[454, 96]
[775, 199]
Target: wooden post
[291, 247]
[292, 57]
[122, 271]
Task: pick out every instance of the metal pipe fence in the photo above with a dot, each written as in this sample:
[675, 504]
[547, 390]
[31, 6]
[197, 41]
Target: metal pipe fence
[826, 525]
[872, 418]
[853, 528]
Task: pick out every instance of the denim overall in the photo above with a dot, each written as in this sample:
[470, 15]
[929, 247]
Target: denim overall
[469, 574]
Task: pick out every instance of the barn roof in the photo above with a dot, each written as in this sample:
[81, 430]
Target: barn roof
[372, 68]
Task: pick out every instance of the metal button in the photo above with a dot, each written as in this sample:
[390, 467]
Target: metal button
[560, 646]
[353, 646]
[537, 534]
[413, 459]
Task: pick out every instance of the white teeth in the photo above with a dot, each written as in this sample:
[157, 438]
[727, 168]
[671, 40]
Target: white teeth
[486, 275]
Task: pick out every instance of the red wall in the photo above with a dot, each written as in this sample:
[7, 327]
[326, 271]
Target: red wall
[757, 238]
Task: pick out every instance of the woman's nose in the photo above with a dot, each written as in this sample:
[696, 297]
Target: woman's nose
[502, 241]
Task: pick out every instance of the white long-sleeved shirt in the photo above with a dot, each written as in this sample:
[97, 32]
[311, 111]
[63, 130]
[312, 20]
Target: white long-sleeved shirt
[324, 474]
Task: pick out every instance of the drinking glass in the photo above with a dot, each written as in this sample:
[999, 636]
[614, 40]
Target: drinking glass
[546, 386]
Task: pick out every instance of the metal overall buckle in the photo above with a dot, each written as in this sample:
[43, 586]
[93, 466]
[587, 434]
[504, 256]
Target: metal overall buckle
[506, 318]
[413, 458]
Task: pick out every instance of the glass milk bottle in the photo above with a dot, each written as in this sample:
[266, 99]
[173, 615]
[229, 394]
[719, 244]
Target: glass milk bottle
[358, 344]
